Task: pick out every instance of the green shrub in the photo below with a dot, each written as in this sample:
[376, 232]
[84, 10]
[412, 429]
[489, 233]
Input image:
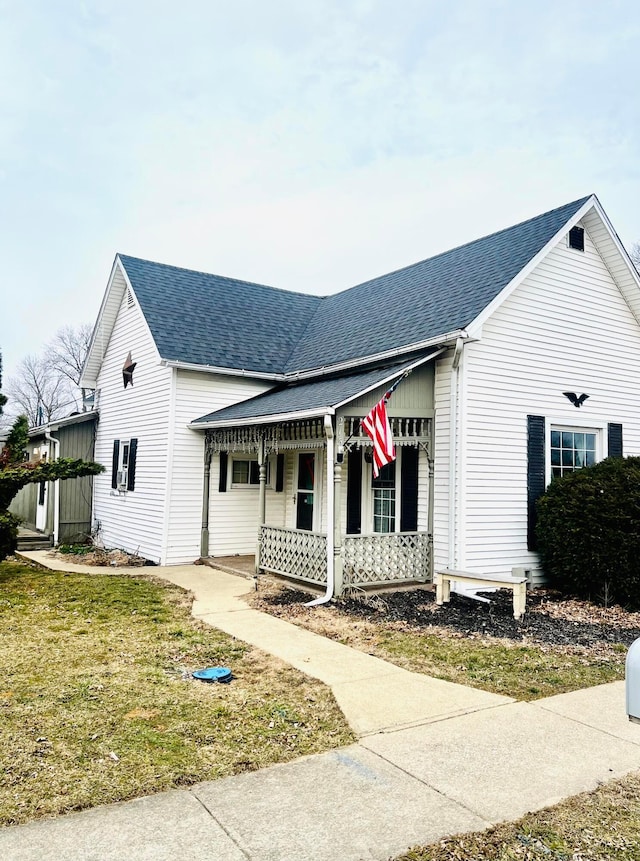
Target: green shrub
[588, 531]
[8, 534]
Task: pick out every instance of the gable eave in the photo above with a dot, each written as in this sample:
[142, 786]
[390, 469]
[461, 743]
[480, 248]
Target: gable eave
[474, 328]
[107, 315]
[614, 256]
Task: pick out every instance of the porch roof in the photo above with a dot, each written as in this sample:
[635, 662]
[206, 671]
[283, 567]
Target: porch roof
[305, 399]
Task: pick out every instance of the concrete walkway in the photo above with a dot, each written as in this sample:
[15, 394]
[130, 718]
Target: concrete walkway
[432, 759]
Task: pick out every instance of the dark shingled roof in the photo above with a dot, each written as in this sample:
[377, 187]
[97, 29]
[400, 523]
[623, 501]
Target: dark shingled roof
[209, 320]
[437, 296]
[317, 395]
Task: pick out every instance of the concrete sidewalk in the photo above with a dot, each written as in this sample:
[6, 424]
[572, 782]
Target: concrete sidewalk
[433, 759]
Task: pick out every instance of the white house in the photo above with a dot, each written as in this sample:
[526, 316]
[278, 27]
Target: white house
[230, 411]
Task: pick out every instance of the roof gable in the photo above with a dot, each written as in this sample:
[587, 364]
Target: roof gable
[204, 319]
[210, 321]
[432, 298]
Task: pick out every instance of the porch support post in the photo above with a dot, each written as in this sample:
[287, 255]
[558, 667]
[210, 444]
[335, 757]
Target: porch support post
[430, 511]
[337, 526]
[204, 532]
[262, 498]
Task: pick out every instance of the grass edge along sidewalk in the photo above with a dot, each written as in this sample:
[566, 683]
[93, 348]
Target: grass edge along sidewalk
[97, 703]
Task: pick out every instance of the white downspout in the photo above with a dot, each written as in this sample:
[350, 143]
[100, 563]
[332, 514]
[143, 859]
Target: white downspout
[453, 451]
[55, 443]
[328, 595]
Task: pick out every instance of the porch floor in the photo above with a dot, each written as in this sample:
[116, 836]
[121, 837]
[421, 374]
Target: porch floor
[243, 565]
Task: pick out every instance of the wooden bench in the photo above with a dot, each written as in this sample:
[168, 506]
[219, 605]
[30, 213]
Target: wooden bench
[518, 585]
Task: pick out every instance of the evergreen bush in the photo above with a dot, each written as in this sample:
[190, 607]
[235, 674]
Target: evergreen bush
[588, 531]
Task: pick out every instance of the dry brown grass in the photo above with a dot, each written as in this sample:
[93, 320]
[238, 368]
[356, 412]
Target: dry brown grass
[97, 703]
[526, 669]
[598, 826]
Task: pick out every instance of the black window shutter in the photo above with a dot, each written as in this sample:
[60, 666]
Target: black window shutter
[222, 486]
[409, 490]
[354, 492]
[114, 463]
[131, 471]
[535, 474]
[280, 473]
[614, 434]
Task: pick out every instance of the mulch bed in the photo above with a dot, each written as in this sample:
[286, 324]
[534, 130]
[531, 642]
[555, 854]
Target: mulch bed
[550, 618]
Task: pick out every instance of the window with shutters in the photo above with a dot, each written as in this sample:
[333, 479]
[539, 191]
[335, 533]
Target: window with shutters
[245, 472]
[388, 503]
[123, 470]
[122, 475]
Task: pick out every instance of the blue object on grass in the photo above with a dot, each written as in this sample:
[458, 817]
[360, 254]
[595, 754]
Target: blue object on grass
[213, 674]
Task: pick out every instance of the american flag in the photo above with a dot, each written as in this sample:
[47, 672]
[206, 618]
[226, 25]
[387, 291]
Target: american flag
[376, 426]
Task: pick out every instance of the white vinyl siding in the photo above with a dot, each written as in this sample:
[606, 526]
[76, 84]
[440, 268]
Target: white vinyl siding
[133, 521]
[197, 394]
[565, 328]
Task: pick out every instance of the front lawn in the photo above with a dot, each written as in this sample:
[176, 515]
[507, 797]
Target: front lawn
[560, 645]
[97, 703]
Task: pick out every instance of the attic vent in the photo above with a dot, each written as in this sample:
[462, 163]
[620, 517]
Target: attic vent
[129, 298]
[576, 238]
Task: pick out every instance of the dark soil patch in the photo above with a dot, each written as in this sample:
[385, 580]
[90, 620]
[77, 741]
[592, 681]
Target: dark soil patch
[550, 618]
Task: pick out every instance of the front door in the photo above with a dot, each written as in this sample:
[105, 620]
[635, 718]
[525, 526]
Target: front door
[306, 490]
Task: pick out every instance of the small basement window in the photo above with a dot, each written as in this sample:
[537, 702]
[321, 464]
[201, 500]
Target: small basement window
[576, 238]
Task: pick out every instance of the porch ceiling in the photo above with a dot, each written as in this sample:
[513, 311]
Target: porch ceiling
[304, 400]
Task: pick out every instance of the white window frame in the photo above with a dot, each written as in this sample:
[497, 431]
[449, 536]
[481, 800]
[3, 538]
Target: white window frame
[367, 496]
[122, 472]
[565, 424]
[247, 485]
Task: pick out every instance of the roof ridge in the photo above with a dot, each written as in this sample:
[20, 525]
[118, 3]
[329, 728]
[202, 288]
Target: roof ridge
[549, 212]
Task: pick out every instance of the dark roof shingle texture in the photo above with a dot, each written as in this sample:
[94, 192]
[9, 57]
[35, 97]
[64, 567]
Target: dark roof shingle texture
[317, 395]
[210, 320]
[222, 322]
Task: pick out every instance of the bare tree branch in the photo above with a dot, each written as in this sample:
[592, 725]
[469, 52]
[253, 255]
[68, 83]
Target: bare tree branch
[635, 255]
[42, 393]
[67, 351]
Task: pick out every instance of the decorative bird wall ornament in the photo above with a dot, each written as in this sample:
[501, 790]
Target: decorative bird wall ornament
[576, 400]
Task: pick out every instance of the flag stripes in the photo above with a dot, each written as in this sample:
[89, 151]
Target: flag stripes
[376, 426]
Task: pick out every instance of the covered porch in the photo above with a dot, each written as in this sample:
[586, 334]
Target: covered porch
[305, 482]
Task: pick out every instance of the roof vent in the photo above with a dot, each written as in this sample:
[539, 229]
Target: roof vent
[576, 238]
[129, 298]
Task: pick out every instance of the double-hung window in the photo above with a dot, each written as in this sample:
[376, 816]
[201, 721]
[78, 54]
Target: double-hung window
[384, 499]
[245, 472]
[571, 449]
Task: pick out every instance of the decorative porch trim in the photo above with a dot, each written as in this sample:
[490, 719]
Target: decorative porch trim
[285, 435]
[405, 431]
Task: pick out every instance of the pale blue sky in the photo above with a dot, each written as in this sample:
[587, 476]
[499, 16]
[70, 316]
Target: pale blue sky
[307, 145]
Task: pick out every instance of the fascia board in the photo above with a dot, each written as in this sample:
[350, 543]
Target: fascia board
[624, 254]
[88, 381]
[300, 415]
[475, 326]
[228, 372]
[438, 340]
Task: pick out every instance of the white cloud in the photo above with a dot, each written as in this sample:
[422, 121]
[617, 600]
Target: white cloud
[308, 145]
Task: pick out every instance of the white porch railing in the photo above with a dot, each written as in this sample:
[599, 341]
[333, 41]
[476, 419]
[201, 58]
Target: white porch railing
[294, 553]
[388, 558]
[367, 559]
